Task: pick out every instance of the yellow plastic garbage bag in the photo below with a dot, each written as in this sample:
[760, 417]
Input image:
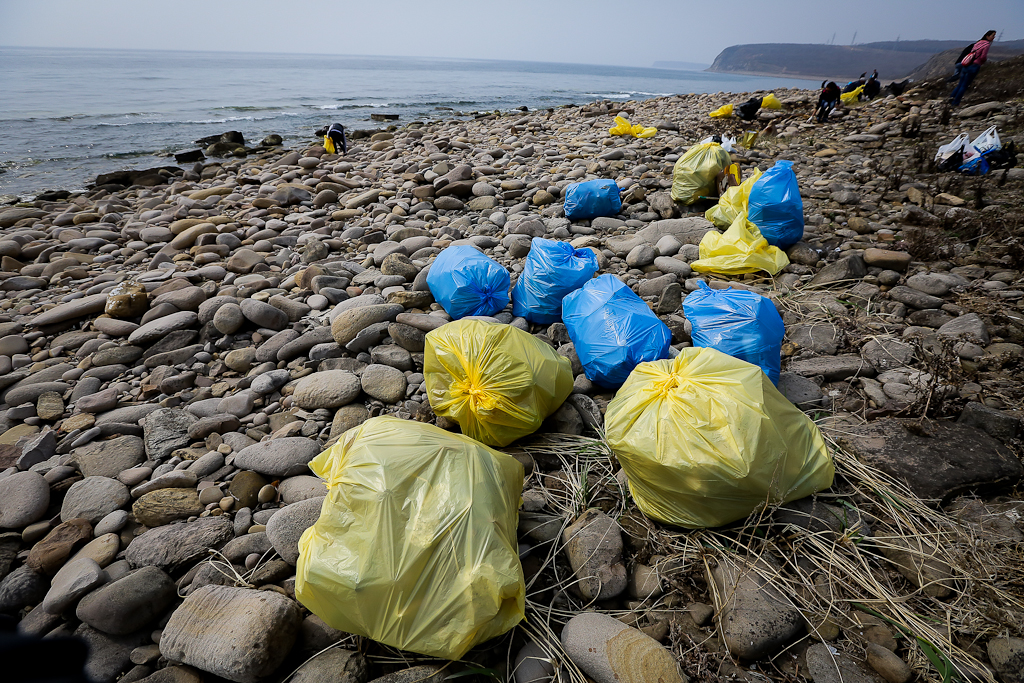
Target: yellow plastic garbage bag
[621, 127]
[693, 175]
[496, 381]
[723, 112]
[706, 438]
[770, 101]
[740, 249]
[329, 144]
[416, 542]
[749, 139]
[624, 127]
[732, 203]
[645, 132]
[853, 96]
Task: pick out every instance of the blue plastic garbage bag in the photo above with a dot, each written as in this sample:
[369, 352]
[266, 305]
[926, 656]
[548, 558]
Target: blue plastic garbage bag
[552, 270]
[592, 199]
[613, 330]
[775, 206]
[466, 282]
[741, 324]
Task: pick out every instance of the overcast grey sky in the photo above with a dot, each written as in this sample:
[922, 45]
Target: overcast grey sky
[578, 31]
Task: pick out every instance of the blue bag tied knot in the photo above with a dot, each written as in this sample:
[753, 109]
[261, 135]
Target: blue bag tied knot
[613, 330]
[742, 324]
[591, 199]
[775, 207]
[467, 282]
[553, 269]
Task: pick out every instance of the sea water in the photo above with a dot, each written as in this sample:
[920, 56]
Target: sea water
[68, 114]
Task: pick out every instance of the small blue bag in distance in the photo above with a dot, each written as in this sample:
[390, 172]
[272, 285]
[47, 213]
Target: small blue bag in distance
[467, 282]
[775, 206]
[742, 324]
[613, 330]
[592, 199]
[552, 270]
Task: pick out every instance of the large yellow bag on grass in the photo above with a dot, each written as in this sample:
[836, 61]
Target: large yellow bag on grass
[706, 439]
[740, 249]
[498, 382]
[723, 112]
[693, 175]
[770, 101]
[732, 203]
[416, 542]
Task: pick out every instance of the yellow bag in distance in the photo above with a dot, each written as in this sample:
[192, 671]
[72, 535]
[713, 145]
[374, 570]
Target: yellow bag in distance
[693, 175]
[624, 127]
[329, 144]
[749, 139]
[853, 96]
[640, 131]
[740, 249]
[732, 203]
[621, 127]
[723, 112]
[706, 439]
[416, 544]
[498, 382]
[770, 101]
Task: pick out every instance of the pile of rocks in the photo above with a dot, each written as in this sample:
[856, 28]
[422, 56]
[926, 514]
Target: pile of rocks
[172, 357]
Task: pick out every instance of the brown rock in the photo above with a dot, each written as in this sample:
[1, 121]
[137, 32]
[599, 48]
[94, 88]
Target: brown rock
[49, 554]
[163, 506]
[127, 300]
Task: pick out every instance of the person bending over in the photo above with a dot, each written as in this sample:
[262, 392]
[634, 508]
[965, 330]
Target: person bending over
[971, 65]
[827, 100]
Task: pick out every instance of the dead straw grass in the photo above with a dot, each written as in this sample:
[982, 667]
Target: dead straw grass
[831, 574]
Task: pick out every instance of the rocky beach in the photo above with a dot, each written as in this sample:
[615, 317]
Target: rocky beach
[177, 344]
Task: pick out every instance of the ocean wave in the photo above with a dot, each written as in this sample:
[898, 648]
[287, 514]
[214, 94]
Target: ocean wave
[224, 119]
[626, 94]
[362, 105]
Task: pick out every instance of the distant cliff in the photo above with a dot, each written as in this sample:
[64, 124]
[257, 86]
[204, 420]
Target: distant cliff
[894, 60]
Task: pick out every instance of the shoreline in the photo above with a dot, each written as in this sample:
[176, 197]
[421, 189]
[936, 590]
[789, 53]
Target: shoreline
[453, 117]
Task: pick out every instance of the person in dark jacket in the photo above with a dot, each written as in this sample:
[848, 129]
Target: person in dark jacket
[853, 85]
[827, 100]
[971, 66]
[337, 135]
[872, 87]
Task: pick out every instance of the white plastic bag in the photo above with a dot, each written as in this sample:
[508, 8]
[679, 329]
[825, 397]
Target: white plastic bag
[951, 148]
[727, 142]
[987, 141]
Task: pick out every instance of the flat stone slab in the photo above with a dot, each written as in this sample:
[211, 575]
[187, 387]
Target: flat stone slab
[951, 460]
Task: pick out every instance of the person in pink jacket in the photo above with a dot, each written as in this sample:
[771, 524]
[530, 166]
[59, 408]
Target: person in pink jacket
[971, 65]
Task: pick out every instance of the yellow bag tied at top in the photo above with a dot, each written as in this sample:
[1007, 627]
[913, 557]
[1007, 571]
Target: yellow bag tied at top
[732, 203]
[852, 97]
[329, 144]
[706, 439]
[498, 382]
[416, 542]
[740, 249]
[693, 175]
[770, 101]
[624, 127]
[723, 112]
